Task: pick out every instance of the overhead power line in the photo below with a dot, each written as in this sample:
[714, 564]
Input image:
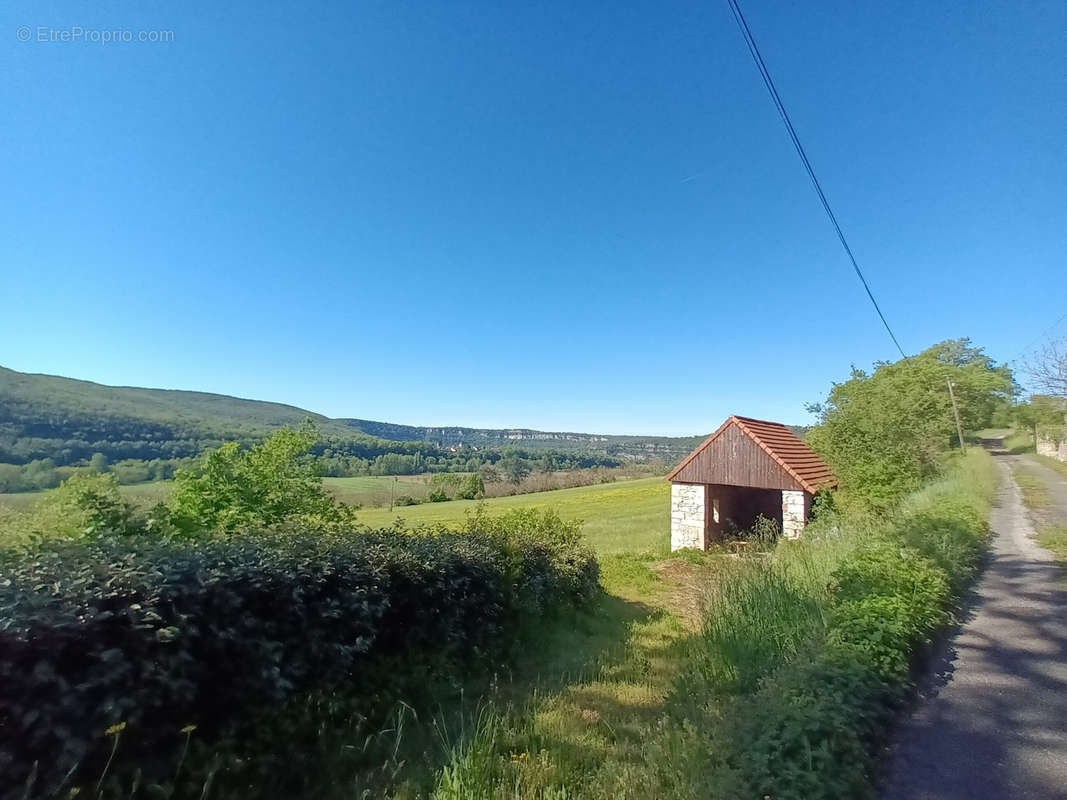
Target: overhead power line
[1036, 339]
[769, 83]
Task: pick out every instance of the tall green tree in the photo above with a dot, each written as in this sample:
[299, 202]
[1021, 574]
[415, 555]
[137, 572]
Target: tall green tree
[883, 433]
[473, 487]
[514, 468]
[1045, 416]
[273, 483]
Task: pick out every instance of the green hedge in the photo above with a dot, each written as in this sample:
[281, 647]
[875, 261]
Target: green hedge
[159, 635]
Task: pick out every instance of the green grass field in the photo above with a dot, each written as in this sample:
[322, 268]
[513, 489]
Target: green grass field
[623, 517]
[142, 495]
[146, 495]
[20, 501]
[365, 491]
[354, 491]
[376, 490]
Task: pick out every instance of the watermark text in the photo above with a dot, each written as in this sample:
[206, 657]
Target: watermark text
[79, 34]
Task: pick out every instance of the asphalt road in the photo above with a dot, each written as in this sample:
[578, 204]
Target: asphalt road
[991, 721]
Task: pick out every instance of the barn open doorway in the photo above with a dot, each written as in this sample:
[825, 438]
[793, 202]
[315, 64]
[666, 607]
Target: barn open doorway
[735, 508]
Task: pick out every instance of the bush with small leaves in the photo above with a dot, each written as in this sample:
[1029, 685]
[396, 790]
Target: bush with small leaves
[145, 632]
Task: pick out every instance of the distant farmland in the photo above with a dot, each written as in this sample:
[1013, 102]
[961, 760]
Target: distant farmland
[371, 490]
[376, 490]
[142, 495]
[626, 516]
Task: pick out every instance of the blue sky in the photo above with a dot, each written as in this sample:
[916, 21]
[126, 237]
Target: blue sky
[581, 216]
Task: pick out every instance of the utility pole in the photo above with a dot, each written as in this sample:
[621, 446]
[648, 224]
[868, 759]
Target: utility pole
[956, 414]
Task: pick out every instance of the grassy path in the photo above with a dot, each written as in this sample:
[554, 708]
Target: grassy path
[589, 732]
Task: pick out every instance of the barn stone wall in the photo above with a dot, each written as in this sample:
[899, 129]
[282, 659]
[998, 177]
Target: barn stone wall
[687, 516]
[794, 513]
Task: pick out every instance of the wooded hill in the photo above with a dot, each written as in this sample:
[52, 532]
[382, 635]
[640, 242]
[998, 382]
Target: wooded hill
[68, 420]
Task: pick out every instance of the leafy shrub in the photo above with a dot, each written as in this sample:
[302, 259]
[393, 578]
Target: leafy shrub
[83, 506]
[455, 486]
[473, 487]
[885, 568]
[270, 484]
[565, 565]
[806, 733]
[158, 634]
[879, 630]
[887, 432]
[764, 532]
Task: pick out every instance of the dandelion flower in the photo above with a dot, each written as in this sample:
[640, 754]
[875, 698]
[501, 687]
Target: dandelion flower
[115, 729]
[188, 729]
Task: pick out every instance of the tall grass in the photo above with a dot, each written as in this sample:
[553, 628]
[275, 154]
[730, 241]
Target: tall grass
[1054, 538]
[1054, 463]
[1019, 441]
[802, 658]
[786, 688]
[761, 619]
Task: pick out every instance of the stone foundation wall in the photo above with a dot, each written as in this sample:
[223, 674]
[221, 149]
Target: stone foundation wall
[687, 516]
[1051, 448]
[794, 513]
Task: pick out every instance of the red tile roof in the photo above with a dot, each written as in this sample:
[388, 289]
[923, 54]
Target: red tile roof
[781, 444]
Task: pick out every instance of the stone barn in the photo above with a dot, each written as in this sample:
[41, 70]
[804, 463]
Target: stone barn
[746, 468]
